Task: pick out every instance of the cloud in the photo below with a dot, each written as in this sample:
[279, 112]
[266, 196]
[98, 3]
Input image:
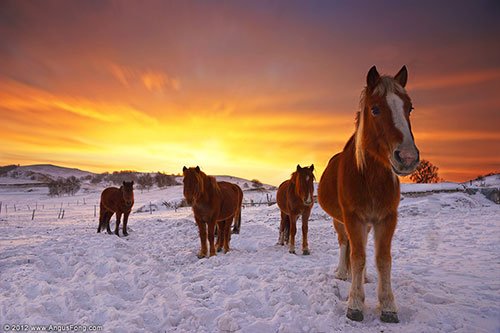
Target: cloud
[151, 80]
[456, 80]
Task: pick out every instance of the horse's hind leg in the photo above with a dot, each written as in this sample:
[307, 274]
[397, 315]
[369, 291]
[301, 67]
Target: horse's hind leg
[118, 217]
[284, 225]
[227, 235]
[342, 272]
[383, 237]
[220, 232]
[102, 218]
[107, 221]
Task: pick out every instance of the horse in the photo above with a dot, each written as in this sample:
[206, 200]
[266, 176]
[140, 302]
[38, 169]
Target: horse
[360, 188]
[212, 203]
[295, 197]
[119, 201]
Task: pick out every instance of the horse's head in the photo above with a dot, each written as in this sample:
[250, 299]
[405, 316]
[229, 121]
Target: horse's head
[303, 181]
[128, 193]
[193, 183]
[383, 125]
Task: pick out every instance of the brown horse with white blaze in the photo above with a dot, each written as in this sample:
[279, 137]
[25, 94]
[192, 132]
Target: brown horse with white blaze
[295, 198]
[360, 188]
[119, 201]
[212, 202]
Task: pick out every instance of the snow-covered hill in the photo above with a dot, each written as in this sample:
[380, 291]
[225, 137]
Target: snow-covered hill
[446, 263]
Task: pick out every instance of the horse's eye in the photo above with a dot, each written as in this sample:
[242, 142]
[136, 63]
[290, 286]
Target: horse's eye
[411, 109]
[375, 111]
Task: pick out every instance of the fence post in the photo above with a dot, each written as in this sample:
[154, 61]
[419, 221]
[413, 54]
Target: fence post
[150, 209]
[0, 207]
[33, 216]
[95, 210]
[62, 214]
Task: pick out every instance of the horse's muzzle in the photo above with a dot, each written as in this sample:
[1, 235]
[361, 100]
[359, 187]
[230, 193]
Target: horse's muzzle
[405, 160]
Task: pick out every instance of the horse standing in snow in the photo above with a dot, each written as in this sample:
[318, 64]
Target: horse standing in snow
[295, 198]
[119, 201]
[360, 188]
[212, 202]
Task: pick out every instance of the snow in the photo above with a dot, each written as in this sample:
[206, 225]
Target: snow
[446, 264]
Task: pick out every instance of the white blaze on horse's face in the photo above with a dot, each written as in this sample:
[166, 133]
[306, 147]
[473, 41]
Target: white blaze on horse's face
[405, 157]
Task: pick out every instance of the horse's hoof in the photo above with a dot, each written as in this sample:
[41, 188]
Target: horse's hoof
[109, 232]
[219, 249]
[292, 251]
[389, 317]
[200, 255]
[306, 252]
[235, 232]
[355, 315]
[125, 234]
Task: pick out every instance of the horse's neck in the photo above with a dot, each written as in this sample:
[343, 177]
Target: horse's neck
[376, 167]
[209, 189]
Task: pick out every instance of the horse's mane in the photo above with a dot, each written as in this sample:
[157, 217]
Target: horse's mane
[385, 85]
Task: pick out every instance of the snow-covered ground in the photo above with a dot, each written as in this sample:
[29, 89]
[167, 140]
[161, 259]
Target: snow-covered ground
[446, 269]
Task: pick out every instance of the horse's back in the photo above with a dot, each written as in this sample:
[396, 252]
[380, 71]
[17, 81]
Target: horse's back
[328, 196]
[110, 198]
[231, 199]
[281, 195]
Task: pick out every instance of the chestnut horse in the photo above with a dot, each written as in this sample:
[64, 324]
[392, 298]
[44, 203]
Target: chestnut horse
[295, 197]
[119, 201]
[212, 202]
[360, 188]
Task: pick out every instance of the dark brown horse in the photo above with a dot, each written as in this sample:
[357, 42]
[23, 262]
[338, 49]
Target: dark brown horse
[212, 202]
[119, 201]
[360, 188]
[295, 198]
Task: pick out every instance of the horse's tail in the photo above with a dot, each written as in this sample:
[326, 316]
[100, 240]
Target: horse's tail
[101, 218]
[237, 221]
[237, 215]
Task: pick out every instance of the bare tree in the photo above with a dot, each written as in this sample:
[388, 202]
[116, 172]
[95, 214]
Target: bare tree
[426, 173]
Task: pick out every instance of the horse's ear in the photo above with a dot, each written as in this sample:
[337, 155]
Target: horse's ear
[402, 76]
[312, 167]
[123, 183]
[198, 168]
[298, 167]
[132, 183]
[184, 169]
[372, 77]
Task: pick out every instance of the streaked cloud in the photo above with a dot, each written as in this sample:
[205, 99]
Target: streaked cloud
[149, 79]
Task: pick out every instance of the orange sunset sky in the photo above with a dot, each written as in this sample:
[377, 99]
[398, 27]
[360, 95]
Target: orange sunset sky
[246, 88]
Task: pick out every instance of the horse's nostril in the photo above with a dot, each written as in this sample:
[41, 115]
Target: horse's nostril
[397, 156]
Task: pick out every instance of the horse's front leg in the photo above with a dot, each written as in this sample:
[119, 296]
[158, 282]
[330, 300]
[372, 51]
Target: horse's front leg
[118, 217]
[305, 228]
[211, 229]
[202, 228]
[357, 232]
[293, 231]
[125, 221]
[384, 230]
